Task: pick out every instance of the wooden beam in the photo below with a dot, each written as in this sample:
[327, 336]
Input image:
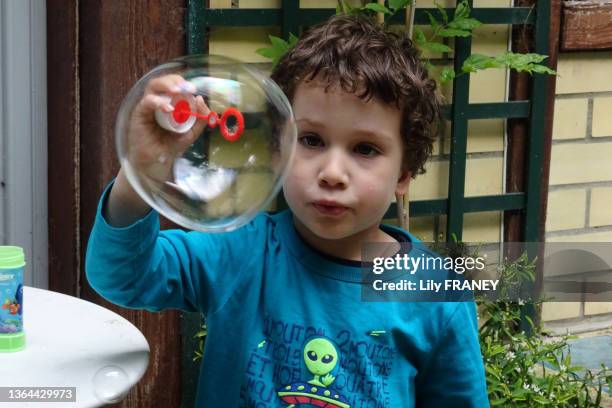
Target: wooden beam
[63, 145]
[119, 42]
[587, 25]
[522, 38]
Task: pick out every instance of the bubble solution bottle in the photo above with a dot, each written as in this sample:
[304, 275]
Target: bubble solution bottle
[12, 261]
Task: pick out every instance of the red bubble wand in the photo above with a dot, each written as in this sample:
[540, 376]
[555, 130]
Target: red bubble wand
[181, 114]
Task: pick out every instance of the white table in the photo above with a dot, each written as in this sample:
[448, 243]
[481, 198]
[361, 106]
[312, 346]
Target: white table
[74, 343]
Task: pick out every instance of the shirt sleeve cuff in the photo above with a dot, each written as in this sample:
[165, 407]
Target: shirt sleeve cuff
[142, 231]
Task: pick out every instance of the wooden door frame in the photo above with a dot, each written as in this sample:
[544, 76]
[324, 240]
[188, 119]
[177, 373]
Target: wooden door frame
[96, 52]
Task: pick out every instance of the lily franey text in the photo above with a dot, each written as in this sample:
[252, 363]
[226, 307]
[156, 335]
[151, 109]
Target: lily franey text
[433, 286]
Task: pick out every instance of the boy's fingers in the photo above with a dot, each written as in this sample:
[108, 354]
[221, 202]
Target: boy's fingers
[153, 102]
[163, 83]
[172, 84]
[201, 106]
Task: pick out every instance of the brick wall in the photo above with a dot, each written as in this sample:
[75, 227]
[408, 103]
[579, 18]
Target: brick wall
[580, 195]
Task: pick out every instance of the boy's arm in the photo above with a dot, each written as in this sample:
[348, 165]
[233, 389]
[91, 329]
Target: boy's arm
[454, 376]
[137, 266]
[124, 206]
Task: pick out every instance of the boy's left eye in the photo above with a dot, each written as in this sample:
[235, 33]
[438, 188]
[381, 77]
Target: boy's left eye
[366, 150]
[310, 140]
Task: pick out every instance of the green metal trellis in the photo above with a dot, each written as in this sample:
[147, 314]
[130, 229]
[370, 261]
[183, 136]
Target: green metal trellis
[290, 17]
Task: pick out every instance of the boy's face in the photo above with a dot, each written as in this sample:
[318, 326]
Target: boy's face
[347, 166]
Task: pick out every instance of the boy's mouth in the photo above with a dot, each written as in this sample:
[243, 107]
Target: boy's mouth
[329, 207]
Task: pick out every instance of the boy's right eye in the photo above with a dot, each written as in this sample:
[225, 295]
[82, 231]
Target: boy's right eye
[311, 140]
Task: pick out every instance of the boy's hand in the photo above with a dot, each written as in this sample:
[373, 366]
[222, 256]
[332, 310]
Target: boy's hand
[152, 149]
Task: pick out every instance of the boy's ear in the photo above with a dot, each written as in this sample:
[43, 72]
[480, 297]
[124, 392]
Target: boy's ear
[403, 182]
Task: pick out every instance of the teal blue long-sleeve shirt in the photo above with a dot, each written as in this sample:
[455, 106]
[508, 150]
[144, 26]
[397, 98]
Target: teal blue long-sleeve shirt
[286, 324]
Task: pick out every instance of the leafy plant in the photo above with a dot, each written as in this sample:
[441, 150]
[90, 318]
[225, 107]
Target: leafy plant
[515, 366]
[201, 336]
[461, 25]
[366, 7]
[520, 62]
[443, 27]
[528, 370]
[278, 49]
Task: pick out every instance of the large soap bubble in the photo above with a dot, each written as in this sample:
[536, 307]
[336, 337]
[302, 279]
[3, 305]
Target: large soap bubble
[234, 168]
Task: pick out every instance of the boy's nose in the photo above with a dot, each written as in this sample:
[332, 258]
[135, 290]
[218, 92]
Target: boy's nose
[333, 171]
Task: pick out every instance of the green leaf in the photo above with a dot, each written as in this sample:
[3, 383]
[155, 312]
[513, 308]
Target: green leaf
[519, 392]
[278, 43]
[477, 62]
[378, 8]
[465, 24]
[520, 60]
[278, 49]
[398, 4]
[462, 10]
[565, 399]
[542, 69]
[530, 321]
[453, 32]
[419, 36]
[442, 13]
[567, 360]
[437, 47]
[266, 52]
[344, 7]
[496, 388]
[274, 54]
[535, 58]
[492, 372]
[541, 400]
[432, 20]
[501, 401]
[293, 39]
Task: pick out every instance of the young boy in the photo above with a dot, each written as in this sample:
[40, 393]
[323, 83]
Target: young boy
[282, 295]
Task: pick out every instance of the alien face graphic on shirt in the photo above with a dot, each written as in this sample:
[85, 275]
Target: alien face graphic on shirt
[321, 357]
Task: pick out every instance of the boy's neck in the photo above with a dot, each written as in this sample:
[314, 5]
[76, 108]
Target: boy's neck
[345, 248]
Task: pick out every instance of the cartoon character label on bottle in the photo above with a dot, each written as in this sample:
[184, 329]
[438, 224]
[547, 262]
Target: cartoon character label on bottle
[11, 299]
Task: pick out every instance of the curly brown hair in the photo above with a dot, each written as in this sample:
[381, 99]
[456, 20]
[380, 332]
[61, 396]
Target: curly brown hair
[358, 53]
